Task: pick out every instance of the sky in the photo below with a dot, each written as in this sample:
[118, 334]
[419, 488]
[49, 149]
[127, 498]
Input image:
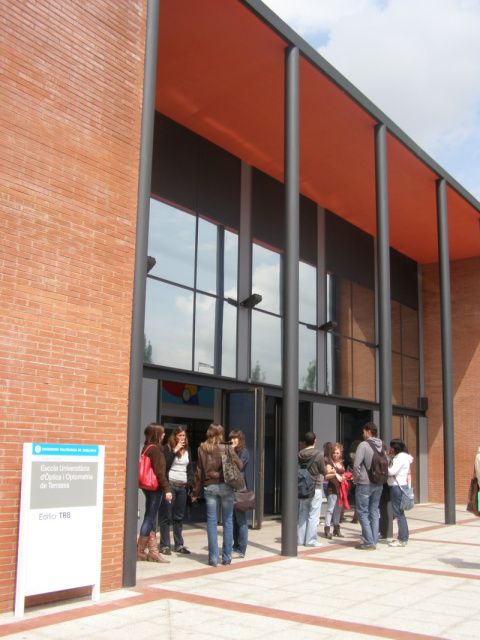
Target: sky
[417, 60]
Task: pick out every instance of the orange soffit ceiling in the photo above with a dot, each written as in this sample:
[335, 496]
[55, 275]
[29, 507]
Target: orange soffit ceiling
[220, 73]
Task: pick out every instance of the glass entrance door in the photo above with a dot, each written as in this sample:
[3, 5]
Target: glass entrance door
[245, 410]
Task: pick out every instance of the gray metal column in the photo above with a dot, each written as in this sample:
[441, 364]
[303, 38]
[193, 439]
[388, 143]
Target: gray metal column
[139, 290]
[447, 357]
[383, 277]
[290, 307]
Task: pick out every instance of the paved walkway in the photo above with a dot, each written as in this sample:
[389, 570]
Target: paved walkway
[427, 590]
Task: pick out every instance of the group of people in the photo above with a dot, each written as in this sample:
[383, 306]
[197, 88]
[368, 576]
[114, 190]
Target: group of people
[178, 484]
[328, 466]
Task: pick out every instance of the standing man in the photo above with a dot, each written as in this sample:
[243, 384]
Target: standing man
[309, 508]
[367, 494]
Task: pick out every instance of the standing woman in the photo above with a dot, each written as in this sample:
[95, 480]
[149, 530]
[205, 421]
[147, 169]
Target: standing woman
[180, 478]
[335, 476]
[398, 472]
[240, 525]
[152, 448]
[209, 475]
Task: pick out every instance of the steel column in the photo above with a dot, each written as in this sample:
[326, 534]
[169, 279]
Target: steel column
[447, 351]
[290, 307]
[139, 290]
[383, 277]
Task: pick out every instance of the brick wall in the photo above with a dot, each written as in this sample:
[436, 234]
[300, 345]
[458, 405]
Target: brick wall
[71, 92]
[465, 294]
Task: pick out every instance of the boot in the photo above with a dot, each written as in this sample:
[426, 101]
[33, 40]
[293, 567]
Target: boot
[355, 518]
[141, 546]
[153, 553]
[327, 533]
[336, 531]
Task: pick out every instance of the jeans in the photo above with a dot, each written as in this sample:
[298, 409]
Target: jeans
[216, 494]
[333, 510]
[240, 532]
[368, 500]
[396, 497]
[169, 512]
[152, 503]
[308, 517]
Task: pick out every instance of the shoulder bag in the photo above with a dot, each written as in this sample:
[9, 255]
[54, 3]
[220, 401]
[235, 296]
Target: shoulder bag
[146, 476]
[407, 501]
[231, 473]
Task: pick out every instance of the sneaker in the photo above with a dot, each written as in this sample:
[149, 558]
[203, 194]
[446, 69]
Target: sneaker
[315, 544]
[398, 543]
[166, 551]
[182, 550]
[365, 547]
[237, 556]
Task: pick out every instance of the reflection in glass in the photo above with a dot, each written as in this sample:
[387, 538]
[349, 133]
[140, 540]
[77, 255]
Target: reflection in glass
[266, 349]
[207, 256]
[307, 359]
[307, 293]
[171, 241]
[266, 277]
[215, 336]
[204, 333]
[169, 324]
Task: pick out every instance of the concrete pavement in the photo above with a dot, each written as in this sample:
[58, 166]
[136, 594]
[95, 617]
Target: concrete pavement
[429, 589]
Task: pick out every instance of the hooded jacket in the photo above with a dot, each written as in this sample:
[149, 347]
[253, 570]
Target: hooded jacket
[363, 460]
[317, 469]
[399, 467]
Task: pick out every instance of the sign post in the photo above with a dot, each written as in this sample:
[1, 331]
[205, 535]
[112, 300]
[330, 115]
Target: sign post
[60, 530]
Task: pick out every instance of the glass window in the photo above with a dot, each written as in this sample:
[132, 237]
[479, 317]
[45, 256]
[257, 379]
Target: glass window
[266, 353]
[215, 348]
[266, 277]
[307, 359]
[171, 241]
[170, 307]
[217, 262]
[307, 293]
[351, 352]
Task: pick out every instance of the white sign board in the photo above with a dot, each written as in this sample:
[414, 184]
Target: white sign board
[60, 532]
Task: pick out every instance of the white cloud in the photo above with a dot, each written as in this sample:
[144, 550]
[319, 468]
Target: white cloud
[417, 60]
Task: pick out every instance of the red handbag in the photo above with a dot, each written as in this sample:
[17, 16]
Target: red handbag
[146, 476]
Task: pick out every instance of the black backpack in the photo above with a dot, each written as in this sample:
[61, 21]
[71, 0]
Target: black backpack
[306, 488]
[378, 472]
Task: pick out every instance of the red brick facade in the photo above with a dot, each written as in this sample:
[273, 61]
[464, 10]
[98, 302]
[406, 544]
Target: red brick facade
[70, 122]
[465, 294]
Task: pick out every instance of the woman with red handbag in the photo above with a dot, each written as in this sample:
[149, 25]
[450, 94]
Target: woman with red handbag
[152, 449]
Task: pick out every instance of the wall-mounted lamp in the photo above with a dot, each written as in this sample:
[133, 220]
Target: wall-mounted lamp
[331, 325]
[251, 301]
[151, 262]
[233, 302]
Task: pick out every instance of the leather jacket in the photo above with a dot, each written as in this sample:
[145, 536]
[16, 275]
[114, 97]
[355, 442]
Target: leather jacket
[209, 467]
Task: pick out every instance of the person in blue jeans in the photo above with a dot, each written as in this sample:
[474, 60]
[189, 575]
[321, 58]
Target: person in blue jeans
[398, 472]
[240, 524]
[367, 495]
[209, 475]
[309, 508]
